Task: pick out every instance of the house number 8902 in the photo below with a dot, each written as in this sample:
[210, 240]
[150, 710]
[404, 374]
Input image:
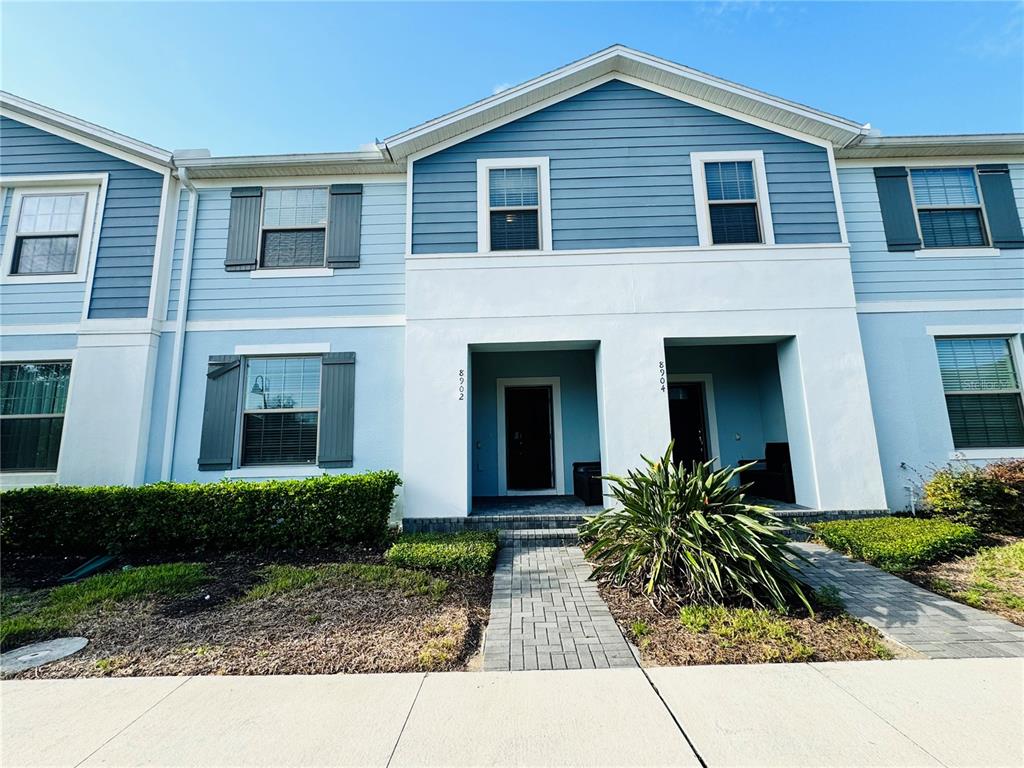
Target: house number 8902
[462, 384]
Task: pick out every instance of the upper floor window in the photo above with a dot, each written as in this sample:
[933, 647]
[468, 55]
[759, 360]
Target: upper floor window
[294, 228]
[281, 410]
[731, 196]
[949, 209]
[513, 204]
[32, 401]
[983, 393]
[50, 228]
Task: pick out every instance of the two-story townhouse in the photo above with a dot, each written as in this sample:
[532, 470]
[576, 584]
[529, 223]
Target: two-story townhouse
[85, 242]
[576, 270]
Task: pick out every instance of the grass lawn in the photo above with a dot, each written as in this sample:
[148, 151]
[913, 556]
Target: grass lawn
[991, 579]
[716, 635]
[250, 615]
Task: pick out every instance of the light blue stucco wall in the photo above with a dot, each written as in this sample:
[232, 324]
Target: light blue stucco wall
[883, 275]
[620, 174]
[378, 400]
[747, 393]
[907, 398]
[38, 343]
[127, 244]
[578, 387]
[376, 287]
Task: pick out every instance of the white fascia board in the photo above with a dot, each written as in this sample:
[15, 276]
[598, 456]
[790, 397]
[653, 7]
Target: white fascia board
[82, 132]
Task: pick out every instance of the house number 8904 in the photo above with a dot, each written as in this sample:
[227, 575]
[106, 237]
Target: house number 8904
[661, 374]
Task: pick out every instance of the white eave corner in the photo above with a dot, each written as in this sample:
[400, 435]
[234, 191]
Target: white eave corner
[17, 107]
[620, 59]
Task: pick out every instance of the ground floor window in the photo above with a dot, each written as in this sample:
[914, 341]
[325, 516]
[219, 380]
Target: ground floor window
[281, 410]
[983, 393]
[32, 401]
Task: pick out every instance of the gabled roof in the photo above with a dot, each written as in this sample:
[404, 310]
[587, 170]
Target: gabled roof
[16, 107]
[839, 131]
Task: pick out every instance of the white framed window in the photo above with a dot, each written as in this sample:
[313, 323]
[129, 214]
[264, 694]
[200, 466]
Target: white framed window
[293, 228]
[730, 193]
[51, 233]
[948, 207]
[280, 411]
[33, 398]
[513, 204]
[982, 385]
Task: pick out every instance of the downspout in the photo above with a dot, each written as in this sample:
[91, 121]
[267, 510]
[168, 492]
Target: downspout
[179, 326]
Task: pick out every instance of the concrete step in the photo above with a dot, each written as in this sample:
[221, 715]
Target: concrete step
[534, 537]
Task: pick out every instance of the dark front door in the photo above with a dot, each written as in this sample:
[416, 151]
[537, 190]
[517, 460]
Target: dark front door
[688, 422]
[528, 438]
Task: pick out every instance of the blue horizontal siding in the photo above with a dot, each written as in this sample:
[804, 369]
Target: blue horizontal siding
[376, 287]
[127, 243]
[620, 174]
[881, 275]
[177, 256]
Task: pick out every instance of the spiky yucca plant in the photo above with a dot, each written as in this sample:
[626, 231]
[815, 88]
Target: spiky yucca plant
[686, 535]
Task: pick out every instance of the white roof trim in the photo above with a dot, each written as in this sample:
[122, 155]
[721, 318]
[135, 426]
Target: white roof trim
[618, 58]
[935, 146]
[307, 164]
[16, 107]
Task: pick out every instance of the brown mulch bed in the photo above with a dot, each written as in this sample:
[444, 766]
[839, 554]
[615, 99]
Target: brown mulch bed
[329, 627]
[956, 579]
[666, 642]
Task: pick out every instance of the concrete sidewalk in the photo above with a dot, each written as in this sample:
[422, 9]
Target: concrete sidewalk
[899, 713]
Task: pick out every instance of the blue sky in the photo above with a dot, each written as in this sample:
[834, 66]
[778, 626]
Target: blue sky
[243, 78]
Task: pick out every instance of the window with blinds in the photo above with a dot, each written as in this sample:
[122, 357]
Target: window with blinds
[294, 230]
[948, 207]
[514, 200]
[983, 394]
[32, 401]
[732, 202]
[281, 410]
[48, 233]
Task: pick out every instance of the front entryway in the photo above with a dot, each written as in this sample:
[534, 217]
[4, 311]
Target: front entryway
[529, 439]
[687, 412]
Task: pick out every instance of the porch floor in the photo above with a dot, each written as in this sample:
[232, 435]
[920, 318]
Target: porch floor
[529, 505]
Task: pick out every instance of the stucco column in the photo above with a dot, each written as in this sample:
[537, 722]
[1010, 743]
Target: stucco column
[828, 417]
[632, 401]
[435, 467]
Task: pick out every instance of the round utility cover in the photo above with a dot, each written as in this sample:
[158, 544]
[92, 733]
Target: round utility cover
[37, 654]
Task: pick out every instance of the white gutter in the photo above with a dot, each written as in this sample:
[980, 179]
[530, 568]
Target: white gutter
[179, 326]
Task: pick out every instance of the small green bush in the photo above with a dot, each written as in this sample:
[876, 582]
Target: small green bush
[988, 498]
[226, 516]
[278, 579]
[898, 544]
[467, 552]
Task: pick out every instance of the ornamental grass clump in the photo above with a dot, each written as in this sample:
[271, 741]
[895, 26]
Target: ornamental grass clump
[683, 535]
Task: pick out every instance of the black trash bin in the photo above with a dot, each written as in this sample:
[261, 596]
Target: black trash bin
[586, 482]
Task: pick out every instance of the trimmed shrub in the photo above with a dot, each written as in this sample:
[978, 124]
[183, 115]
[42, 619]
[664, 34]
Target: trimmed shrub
[467, 552]
[988, 498]
[683, 535]
[227, 516]
[898, 544]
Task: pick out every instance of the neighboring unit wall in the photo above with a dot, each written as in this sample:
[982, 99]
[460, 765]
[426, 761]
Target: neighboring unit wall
[127, 245]
[620, 174]
[578, 388]
[883, 275]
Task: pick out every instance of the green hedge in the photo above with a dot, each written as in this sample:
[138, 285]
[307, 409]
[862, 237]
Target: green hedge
[221, 517]
[467, 552]
[898, 544]
[989, 498]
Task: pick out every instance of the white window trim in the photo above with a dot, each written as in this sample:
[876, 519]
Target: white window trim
[21, 478]
[95, 188]
[483, 200]
[710, 415]
[264, 272]
[951, 253]
[556, 418]
[700, 195]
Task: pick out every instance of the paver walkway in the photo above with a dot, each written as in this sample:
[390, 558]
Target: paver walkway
[545, 614]
[930, 624]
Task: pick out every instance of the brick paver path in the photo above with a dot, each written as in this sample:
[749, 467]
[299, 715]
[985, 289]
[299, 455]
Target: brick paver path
[545, 614]
[935, 626]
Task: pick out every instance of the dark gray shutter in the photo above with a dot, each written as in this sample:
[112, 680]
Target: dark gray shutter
[337, 409]
[343, 225]
[217, 444]
[244, 229]
[1000, 207]
[897, 209]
